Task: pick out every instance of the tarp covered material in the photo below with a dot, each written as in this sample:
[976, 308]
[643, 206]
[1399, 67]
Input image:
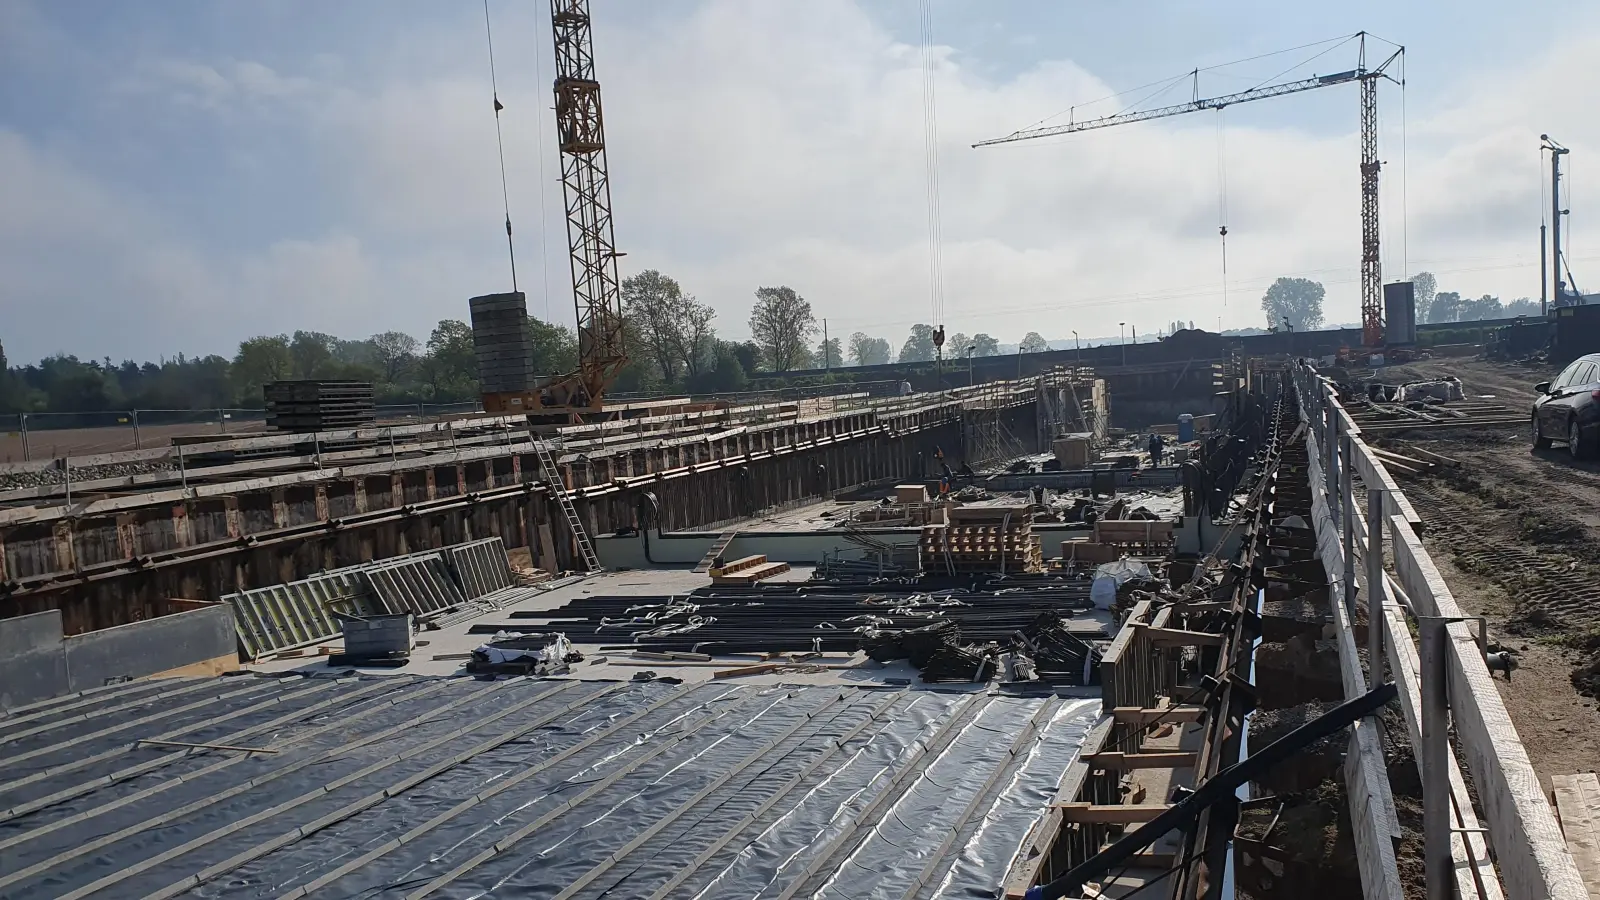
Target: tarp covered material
[452, 787]
[1444, 389]
[1112, 575]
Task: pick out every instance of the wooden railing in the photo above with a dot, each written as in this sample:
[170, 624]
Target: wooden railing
[1444, 682]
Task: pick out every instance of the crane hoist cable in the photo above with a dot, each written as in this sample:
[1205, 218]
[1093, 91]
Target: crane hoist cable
[505, 194]
[1222, 197]
[930, 141]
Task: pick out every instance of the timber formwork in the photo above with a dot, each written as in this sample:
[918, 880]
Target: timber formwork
[120, 554]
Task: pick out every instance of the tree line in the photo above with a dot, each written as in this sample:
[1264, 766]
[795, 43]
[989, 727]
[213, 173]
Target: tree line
[1296, 304]
[671, 336]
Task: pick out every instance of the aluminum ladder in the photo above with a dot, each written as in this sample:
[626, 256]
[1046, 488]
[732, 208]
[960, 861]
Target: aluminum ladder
[552, 477]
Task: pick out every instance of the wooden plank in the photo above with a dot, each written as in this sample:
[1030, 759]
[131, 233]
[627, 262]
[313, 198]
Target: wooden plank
[1177, 637]
[1576, 797]
[742, 671]
[205, 746]
[1528, 844]
[1111, 813]
[1118, 760]
[1133, 715]
[1374, 475]
[1418, 575]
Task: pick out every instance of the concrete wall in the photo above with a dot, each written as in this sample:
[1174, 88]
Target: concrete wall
[37, 662]
[33, 665]
[794, 547]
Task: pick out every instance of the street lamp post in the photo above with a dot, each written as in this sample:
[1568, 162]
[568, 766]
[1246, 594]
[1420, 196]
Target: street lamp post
[1079, 344]
[1122, 333]
[970, 348]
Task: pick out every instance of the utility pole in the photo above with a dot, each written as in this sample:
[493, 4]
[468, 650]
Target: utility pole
[827, 349]
[1556, 212]
[1544, 275]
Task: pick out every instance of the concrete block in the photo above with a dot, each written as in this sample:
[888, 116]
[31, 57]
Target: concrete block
[149, 647]
[32, 664]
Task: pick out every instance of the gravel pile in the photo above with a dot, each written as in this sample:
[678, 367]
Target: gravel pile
[14, 480]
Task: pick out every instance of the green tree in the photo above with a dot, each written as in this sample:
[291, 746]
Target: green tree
[986, 345]
[1424, 287]
[867, 350]
[829, 355]
[451, 365]
[673, 327]
[782, 323]
[1033, 342]
[1298, 300]
[1485, 307]
[1446, 307]
[919, 345]
[955, 346]
[749, 355]
[312, 354]
[725, 374]
[555, 347]
[260, 361]
[396, 352]
[1522, 306]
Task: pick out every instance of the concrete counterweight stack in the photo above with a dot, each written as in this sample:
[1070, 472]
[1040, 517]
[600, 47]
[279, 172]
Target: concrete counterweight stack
[503, 343]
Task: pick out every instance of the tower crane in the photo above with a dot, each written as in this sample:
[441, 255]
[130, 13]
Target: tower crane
[586, 189]
[1367, 78]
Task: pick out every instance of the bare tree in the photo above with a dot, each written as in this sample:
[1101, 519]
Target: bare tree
[674, 326]
[782, 323]
[395, 350]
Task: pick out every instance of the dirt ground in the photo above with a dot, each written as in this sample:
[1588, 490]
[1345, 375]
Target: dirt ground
[57, 442]
[1516, 534]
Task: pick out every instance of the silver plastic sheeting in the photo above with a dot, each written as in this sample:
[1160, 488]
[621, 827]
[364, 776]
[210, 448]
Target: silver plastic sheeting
[456, 788]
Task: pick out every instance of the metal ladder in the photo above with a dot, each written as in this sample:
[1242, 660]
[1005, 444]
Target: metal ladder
[552, 477]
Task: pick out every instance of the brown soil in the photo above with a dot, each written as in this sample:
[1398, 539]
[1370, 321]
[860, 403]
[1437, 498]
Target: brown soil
[1516, 534]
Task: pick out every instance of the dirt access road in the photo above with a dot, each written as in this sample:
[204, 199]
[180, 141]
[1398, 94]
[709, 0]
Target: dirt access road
[1516, 533]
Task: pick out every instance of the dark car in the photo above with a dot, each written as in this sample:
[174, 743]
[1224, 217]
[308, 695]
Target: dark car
[1568, 408]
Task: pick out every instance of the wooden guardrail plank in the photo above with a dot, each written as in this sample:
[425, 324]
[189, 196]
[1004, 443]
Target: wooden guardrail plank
[1532, 853]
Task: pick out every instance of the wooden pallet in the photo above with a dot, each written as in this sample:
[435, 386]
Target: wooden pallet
[750, 574]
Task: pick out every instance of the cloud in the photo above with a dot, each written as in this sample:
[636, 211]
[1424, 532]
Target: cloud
[749, 143]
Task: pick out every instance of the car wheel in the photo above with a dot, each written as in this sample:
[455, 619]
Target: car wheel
[1576, 445]
[1540, 442]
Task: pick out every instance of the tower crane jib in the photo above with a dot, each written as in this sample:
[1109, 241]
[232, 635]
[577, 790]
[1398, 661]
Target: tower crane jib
[1371, 262]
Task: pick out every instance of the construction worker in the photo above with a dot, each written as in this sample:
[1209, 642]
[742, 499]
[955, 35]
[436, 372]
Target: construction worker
[1157, 446]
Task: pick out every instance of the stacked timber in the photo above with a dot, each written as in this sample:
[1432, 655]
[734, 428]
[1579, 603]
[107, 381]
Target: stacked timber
[747, 570]
[309, 406]
[983, 538]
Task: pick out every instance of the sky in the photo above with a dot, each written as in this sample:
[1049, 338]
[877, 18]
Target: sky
[177, 177]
